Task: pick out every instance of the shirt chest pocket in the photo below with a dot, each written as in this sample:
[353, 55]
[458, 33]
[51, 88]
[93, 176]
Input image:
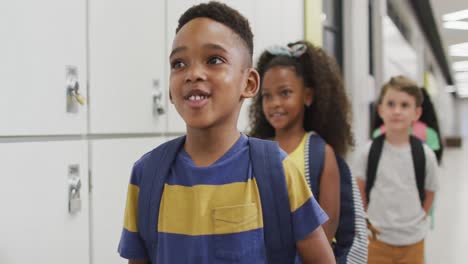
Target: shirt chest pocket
[237, 218]
[237, 232]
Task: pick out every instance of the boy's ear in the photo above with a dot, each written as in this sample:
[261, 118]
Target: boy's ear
[309, 96]
[379, 110]
[252, 84]
[418, 113]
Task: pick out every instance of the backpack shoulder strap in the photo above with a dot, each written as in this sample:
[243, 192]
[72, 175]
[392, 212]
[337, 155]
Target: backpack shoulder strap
[419, 162]
[345, 232]
[314, 160]
[268, 171]
[155, 172]
[373, 162]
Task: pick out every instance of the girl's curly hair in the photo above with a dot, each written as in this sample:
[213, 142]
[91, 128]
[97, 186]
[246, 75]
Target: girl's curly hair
[330, 112]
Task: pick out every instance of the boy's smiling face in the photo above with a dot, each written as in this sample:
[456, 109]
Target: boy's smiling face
[210, 74]
[398, 110]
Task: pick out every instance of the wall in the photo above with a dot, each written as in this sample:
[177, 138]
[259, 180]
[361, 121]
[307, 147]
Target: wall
[358, 82]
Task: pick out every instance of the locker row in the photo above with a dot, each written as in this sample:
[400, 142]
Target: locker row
[43, 221]
[79, 67]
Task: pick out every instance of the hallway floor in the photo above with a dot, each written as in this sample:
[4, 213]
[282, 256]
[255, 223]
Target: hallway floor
[447, 243]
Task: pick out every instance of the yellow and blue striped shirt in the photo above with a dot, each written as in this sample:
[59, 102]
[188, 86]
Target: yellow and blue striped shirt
[213, 214]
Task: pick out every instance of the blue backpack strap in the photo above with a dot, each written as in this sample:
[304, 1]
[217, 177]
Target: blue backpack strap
[155, 172]
[345, 233]
[315, 158]
[419, 162]
[351, 234]
[269, 173]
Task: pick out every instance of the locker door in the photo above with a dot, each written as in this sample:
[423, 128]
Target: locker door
[111, 165]
[42, 53]
[127, 57]
[36, 225]
[174, 10]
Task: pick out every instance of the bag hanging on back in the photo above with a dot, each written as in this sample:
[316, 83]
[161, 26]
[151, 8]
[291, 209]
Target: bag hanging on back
[351, 235]
[419, 164]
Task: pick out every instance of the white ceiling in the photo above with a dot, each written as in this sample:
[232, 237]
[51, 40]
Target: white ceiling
[451, 36]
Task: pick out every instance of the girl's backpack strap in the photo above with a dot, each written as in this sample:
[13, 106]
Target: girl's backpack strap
[314, 160]
[268, 171]
[155, 172]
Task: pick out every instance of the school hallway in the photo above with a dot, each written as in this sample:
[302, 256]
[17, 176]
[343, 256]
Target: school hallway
[448, 241]
[85, 93]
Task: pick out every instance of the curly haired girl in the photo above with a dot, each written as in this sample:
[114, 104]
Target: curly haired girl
[301, 93]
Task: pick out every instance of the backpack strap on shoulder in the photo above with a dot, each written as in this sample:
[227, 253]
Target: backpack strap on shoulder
[155, 172]
[419, 162]
[314, 161]
[269, 173]
[373, 163]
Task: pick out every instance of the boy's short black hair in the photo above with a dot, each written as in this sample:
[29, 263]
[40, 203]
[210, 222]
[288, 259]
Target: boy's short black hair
[223, 14]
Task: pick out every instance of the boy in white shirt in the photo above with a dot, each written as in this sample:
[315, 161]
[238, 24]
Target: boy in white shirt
[397, 207]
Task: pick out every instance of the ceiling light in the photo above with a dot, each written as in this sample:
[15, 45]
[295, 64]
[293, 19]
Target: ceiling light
[458, 54]
[461, 78]
[462, 25]
[463, 45]
[459, 50]
[459, 15]
[460, 66]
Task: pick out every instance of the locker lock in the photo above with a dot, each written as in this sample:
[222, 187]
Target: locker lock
[158, 106]
[72, 87]
[74, 188]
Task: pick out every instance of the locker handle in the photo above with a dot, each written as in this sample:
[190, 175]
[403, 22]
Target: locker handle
[158, 106]
[74, 188]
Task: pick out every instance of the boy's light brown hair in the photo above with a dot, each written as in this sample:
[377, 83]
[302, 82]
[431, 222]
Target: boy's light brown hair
[403, 84]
